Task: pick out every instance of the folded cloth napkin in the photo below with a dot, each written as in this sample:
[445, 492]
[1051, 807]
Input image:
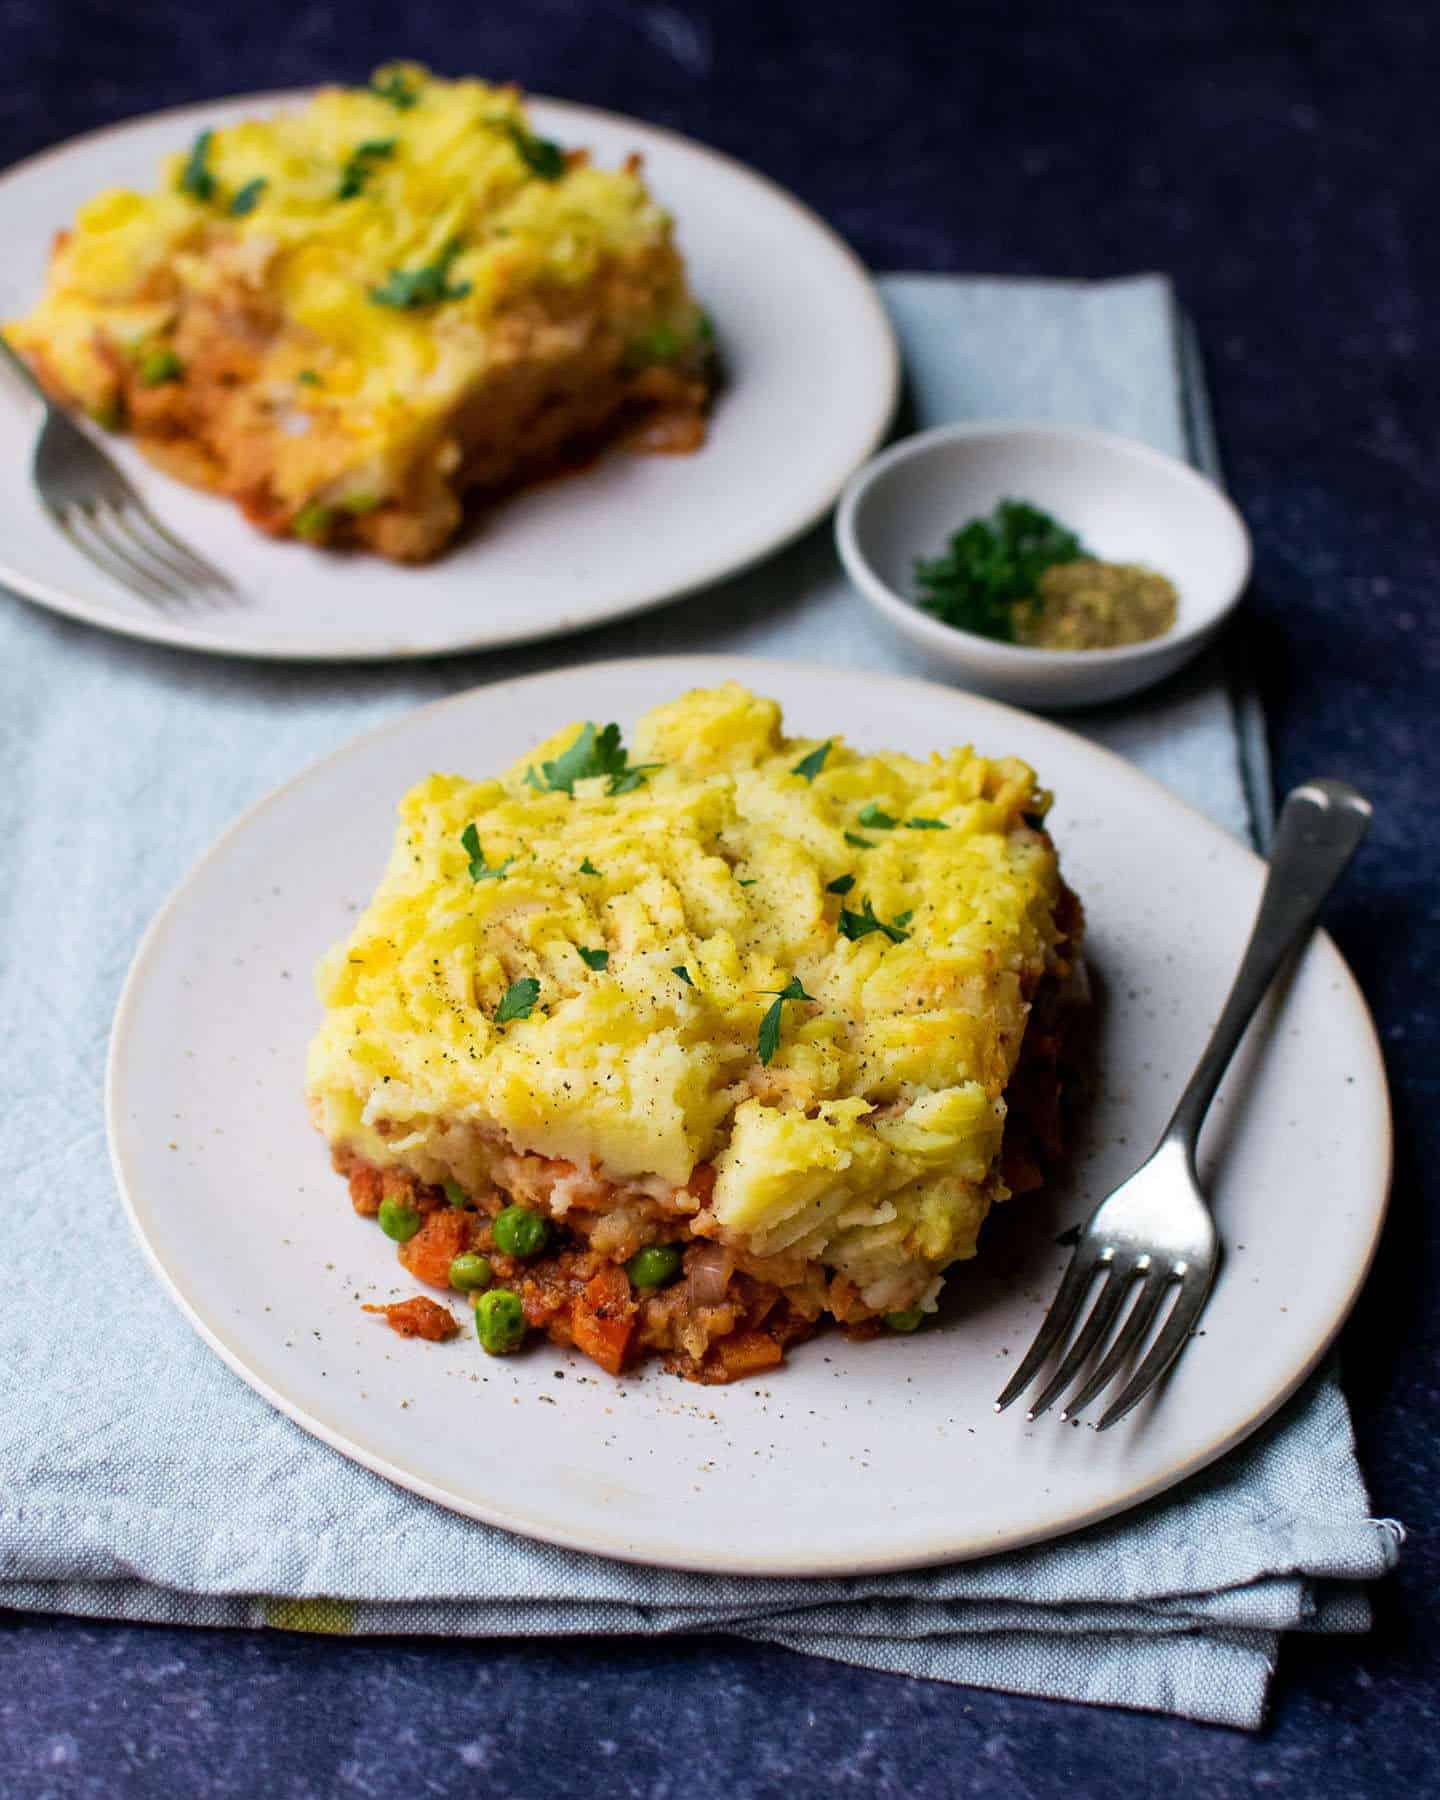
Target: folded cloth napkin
[140, 1479]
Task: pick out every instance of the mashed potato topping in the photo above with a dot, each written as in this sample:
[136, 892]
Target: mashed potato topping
[654, 910]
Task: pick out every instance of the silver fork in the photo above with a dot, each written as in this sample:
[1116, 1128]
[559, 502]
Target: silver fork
[104, 517]
[1155, 1232]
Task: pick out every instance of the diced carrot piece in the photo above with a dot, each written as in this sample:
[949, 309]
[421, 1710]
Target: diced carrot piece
[604, 1341]
[602, 1319]
[367, 1190]
[747, 1353]
[608, 1292]
[420, 1317]
[429, 1254]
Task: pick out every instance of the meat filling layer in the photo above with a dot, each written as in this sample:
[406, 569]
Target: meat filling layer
[720, 1315]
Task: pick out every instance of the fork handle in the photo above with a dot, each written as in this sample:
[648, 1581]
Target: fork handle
[18, 363]
[1320, 829]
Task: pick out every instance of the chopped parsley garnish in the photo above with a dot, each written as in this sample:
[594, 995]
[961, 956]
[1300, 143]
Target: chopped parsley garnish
[247, 198]
[309, 377]
[750, 883]
[990, 564]
[390, 84]
[926, 825]
[859, 842]
[683, 973]
[539, 155]
[811, 765]
[592, 753]
[875, 820]
[630, 779]
[407, 289]
[769, 1040]
[842, 884]
[196, 179]
[518, 1000]
[588, 868]
[594, 959]
[855, 925]
[159, 366]
[480, 870]
[360, 165]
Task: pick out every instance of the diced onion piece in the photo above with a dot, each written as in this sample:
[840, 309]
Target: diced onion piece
[708, 1276]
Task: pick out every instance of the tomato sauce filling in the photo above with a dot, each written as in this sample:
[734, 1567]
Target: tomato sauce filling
[712, 1324]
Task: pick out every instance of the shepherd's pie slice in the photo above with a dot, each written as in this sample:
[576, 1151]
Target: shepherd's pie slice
[698, 1041]
[351, 315]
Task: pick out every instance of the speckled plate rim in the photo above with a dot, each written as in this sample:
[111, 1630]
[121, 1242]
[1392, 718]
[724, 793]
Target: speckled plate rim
[207, 633]
[810, 1560]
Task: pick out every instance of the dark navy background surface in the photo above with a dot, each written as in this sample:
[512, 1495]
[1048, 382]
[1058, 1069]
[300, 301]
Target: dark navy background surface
[1280, 160]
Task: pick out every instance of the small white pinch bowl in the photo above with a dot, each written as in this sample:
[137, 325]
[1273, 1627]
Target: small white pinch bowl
[1125, 502]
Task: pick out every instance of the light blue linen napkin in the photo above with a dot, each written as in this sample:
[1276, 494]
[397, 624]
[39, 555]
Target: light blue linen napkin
[140, 1479]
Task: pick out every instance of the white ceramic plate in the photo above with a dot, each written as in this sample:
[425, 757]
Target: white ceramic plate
[853, 1457]
[811, 377]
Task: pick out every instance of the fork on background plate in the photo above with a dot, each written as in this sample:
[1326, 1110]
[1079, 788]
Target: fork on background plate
[1155, 1233]
[104, 517]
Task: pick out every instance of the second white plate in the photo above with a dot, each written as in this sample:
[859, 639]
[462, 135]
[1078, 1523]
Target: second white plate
[853, 1457]
[811, 371]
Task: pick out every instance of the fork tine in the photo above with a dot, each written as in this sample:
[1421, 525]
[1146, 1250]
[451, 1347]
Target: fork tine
[1139, 1320]
[1194, 1290]
[1090, 1334]
[140, 532]
[1063, 1308]
[201, 570]
[95, 550]
[121, 520]
[101, 521]
[97, 507]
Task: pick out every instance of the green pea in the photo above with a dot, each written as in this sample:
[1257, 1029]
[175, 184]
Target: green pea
[499, 1322]
[455, 1194]
[159, 366]
[910, 1320]
[520, 1232]
[654, 1266]
[471, 1270]
[313, 523]
[397, 1220]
